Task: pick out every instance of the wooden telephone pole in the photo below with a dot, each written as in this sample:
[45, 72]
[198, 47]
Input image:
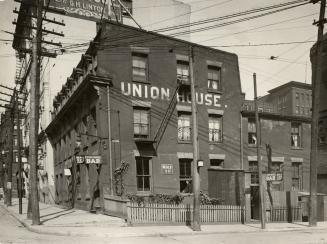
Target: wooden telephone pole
[315, 115]
[196, 226]
[262, 199]
[34, 114]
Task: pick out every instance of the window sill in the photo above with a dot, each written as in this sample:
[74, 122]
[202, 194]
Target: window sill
[214, 91]
[297, 148]
[143, 193]
[215, 142]
[142, 81]
[184, 142]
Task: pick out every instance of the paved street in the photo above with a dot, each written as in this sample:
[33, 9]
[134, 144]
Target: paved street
[13, 232]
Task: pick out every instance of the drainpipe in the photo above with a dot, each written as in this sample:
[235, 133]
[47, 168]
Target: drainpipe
[241, 141]
[109, 142]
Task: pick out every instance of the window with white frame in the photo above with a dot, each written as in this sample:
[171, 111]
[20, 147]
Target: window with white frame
[141, 122]
[183, 73]
[143, 173]
[215, 128]
[252, 132]
[214, 78]
[140, 66]
[253, 168]
[184, 126]
[296, 136]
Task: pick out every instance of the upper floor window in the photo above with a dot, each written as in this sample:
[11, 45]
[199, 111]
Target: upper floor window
[252, 132]
[128, 4]
[184, 127]
[276, 167]
[140, 66]
[183, 73]
[214, 79]
[296, 135]
[215, 128]
[253, 168]
[143, 173]
[141, 123]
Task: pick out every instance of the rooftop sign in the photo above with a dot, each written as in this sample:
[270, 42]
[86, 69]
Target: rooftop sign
[86, 9]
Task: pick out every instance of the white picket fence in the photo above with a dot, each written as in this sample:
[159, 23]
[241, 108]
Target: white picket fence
[173, 213]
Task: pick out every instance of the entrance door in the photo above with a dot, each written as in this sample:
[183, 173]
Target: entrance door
[255, 208]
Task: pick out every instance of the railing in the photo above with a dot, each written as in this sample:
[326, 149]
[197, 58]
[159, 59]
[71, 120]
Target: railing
[183, 214]
[282, 214]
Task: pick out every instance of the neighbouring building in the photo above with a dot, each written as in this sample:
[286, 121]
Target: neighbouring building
[285, 124]
[322, 165]
[149, 124]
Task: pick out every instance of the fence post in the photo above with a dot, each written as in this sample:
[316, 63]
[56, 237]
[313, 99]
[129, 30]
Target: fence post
[129, 214]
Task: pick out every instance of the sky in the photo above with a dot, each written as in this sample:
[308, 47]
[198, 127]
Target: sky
[292, 62]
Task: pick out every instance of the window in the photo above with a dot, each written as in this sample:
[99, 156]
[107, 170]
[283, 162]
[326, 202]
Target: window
[214, 79]
[129, 5]
[295, 135]
[183, 71]
[185, 175]
[143, 173]
[296, 176]
[141, 122]
[140, 65]
[322, 132]
[184, 127]
[276, 167]
[252, 132]
[215, 128]
[253, 168]
[217, 163]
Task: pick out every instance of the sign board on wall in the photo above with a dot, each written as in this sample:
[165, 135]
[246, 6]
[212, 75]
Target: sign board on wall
[79, 159]
[274, 177]
[87, 9]
[93, 159]
[167, 169]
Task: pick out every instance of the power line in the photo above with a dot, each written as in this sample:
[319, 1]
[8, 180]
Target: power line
[265, 44]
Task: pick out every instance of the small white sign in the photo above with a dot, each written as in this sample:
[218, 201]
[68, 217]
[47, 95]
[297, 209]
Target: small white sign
[67, 172]
[8, 185]
[93, 159]
[80, 159]
[274, 177]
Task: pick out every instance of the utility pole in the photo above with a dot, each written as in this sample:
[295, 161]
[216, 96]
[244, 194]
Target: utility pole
[34, 114]
[261, 187]
[10, 122]
[315, 115]
[19, 148]
[196, 226]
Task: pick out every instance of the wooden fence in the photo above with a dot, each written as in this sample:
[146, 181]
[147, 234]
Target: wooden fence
[182, 214]
[282, 214]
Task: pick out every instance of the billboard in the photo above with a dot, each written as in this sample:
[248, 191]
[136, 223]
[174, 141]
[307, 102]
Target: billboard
[86, 9]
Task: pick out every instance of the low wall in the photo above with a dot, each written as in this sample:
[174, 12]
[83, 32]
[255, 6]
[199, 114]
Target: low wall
[115, 206]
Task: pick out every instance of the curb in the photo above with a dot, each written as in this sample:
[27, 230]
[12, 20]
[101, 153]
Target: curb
[39, 230]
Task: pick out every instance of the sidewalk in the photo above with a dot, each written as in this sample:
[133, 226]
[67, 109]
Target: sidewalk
[73, 222]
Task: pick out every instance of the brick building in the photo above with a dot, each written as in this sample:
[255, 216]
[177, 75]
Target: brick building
[285, 124]
[322, 166]
[149, 121]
